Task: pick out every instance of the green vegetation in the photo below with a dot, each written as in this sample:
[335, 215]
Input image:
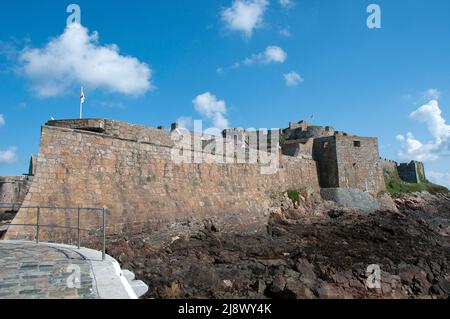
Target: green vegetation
[294, 195]
[421, 173]
[395, 185]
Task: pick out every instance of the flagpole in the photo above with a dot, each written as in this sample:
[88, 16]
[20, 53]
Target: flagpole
[81, 104]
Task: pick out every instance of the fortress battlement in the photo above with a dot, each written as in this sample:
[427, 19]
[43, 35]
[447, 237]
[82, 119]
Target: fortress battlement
[130, 170]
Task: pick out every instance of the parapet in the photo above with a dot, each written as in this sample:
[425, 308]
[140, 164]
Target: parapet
[305, 130]
[91, 125]
[115, 129]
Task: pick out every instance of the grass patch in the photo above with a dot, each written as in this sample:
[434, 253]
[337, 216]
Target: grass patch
[294, 195]
[395, 185]
[297, 195]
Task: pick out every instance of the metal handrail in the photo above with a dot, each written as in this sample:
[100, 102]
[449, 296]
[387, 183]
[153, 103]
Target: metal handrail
[38, 226]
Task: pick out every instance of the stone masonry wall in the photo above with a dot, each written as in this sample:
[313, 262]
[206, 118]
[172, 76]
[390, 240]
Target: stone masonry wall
[349, 162]
[359, 163]
[13, 189]
[129, 170]
[413, 172]
[324, 152]
[388, 165]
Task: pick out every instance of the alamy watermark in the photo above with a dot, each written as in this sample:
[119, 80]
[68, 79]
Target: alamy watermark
[373, 274]
[233, 146]
[74, 279]
[374, 19]
[75, 14]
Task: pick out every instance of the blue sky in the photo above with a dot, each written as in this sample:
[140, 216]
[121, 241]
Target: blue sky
[384, 82]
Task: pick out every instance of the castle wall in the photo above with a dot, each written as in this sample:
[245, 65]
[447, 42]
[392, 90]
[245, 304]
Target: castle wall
[359, 164]
[129, 170]
[302, 132]
[13, 189]
[388, 165]
[413, 172]
[349, 162]
[299, 148]
[324, 152]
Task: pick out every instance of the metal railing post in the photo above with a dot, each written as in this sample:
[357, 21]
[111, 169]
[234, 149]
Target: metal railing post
[37, 224]
[104, 235]
[78, 228]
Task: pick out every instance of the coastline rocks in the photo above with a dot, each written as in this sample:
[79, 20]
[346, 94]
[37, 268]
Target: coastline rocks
[308, 254]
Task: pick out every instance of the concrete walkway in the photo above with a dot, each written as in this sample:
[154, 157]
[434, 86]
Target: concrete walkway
[51, 271]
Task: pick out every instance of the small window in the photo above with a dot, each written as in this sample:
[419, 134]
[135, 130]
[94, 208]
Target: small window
[325, 145]
[357, 143]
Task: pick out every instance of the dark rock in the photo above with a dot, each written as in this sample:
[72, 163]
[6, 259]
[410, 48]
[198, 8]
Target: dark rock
[278, 284]
[421, 283]
[335, 214]
[260, 286]
[313, 257]
[305, 269]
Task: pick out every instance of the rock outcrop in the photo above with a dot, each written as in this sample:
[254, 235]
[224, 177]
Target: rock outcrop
[315, 250]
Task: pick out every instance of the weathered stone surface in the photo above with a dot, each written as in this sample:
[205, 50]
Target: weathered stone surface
[349, 162]
[14, 189]
[413, 172]
[351, 198]
[29, 271]
[129, 170]
[316, 257]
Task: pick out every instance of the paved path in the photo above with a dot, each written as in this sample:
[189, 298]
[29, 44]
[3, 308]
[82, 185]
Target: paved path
[31, 271]
[50, 271]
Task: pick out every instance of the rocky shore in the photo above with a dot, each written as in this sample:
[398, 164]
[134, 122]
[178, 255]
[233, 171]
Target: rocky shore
[314, 250]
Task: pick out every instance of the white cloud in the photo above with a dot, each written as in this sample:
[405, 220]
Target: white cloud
[286, 3]
[272, 54]
[186, 123]
[245, 15]
[210, 107]
[220, 121]
[293, 79]
[8, 156]
[432, 94]
[431, 114]
[76, 58]
[412, 148]
[439, 178]
[285, 32]
[2, 120]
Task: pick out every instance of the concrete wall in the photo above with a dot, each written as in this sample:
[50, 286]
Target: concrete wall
[129, 169]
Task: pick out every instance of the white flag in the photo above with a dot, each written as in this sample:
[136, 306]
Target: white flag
[82, 96]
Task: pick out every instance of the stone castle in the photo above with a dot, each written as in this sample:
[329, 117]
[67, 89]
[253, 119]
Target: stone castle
[129, 170]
